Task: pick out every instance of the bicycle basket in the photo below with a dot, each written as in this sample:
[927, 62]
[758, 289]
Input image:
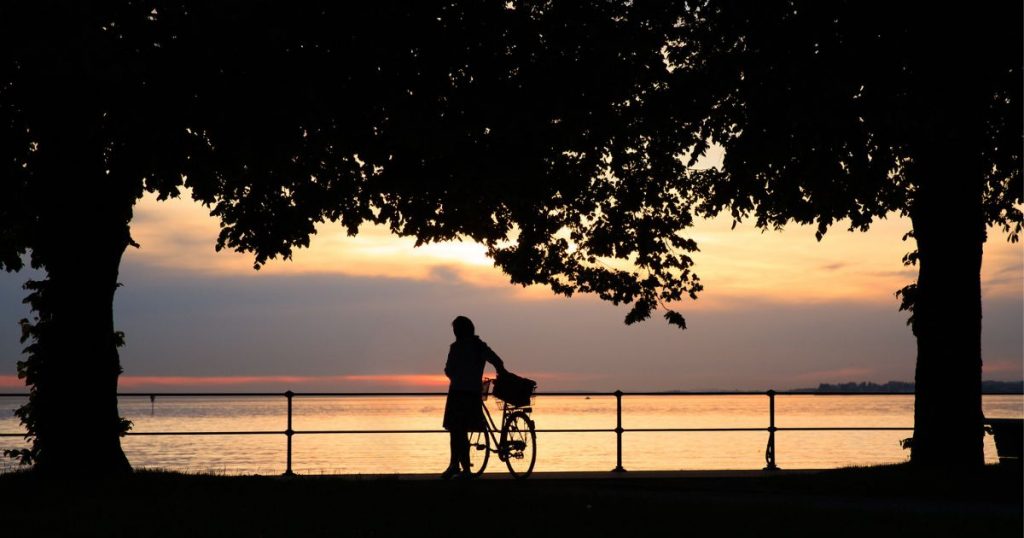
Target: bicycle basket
[514, 390]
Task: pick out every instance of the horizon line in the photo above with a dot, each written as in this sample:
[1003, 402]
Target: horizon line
[436, 381]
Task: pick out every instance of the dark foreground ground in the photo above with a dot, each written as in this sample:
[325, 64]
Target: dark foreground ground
[872, 502]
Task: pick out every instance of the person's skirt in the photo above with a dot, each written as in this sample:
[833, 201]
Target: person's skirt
[462, 412]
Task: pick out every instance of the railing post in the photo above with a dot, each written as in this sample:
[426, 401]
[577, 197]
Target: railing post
[769, 452]
[618, 433]
[288, 433]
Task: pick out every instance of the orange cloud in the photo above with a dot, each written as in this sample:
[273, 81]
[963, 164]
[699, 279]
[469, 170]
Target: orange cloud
[179, 234]
[426, 382]
[11, 382]
[130, 382]
[743, 263]
[1001, 366]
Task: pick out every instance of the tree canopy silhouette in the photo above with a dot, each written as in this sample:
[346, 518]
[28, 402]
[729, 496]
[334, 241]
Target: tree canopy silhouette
[89, 121]
[513, 125]
[100, 104]
[559, 136]
[557, 140]
[831, 111]
[472, 120]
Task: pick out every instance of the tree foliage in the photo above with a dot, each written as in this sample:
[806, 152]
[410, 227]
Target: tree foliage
[561, 136]
[564, 137]
[850, 111]
[514, 125]
[822, 108]
[509, 124]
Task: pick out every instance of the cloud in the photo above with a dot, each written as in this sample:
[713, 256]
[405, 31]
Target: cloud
[179, 234]
[11, 382]
[778, 310]
[446, 273]
[180, 324]
[281, 383]
[1002, 367]
[333, 383]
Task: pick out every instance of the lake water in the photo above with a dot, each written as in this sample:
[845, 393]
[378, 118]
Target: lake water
[428, 452]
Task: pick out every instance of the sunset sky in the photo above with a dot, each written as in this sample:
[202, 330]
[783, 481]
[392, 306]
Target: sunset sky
[780, 310]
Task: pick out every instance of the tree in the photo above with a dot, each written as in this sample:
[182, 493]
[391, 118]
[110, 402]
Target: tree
[82, 136]
[826, 112]
[98, 105]
[851, 110]
[439, 120]
[550, 133]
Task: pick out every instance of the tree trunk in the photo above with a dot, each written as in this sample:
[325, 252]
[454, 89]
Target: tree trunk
[73, 362]
[78, 425]
[949, 227]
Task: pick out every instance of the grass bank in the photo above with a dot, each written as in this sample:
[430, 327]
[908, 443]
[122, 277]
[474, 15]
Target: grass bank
[864, 502]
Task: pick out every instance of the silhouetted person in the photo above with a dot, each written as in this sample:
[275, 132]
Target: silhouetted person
[462, 411]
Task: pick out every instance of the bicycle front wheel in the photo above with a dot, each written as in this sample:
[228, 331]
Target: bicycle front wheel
[479, 451]
[520, 448]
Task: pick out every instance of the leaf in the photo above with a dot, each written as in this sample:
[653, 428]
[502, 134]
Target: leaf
[675, 318]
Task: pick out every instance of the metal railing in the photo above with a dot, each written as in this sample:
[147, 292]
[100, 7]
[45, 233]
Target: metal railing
[289, 432]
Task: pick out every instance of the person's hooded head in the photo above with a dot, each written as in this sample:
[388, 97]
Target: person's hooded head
[463, 328]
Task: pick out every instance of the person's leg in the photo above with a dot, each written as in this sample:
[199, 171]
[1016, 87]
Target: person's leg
[461, 448]
[455, 439]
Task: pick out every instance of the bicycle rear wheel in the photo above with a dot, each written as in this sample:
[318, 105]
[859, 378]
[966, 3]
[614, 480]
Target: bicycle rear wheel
[479, 451]
[520, 448]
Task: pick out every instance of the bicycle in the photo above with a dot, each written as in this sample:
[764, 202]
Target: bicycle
[516, 444]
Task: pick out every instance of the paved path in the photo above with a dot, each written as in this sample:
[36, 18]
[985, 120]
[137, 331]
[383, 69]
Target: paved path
[591, 475]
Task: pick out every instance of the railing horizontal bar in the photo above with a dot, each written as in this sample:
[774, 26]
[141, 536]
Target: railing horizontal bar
[791, 393]
[280, 432]
[701, 393]
[357, 394]
[322, 432]
[650, 430]
[566, 430]
[199, 394]
[846, 429]
[601, 394]
[546, 430]
[575, 430]
[328, 395]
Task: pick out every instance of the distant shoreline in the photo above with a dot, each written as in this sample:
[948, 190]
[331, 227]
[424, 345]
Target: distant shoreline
[892, 387]
[905, 387]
